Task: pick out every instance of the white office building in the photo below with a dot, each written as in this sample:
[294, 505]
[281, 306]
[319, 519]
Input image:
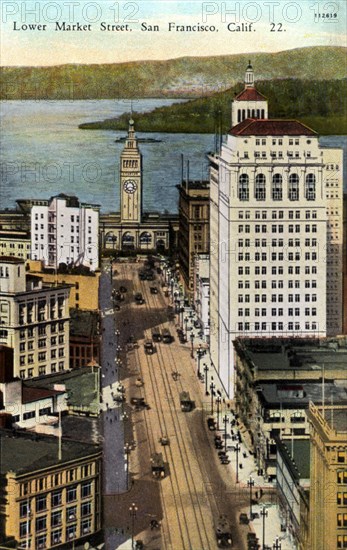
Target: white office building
[63, 230]
[34, 320]
[276, 232]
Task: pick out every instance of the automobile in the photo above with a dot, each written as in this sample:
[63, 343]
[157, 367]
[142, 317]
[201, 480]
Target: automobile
[185, 402]
[223, 532]
[150, 276]
[211, 424]
[219, 444]
[156, 334]
[122, 289]
[243, 519]
[117, 307]
[164, 440]
[182, 338]
[222, 453]
[119, 397]
[138, 402]
[153, 289]
[224, 460]
[139, 298]
[158, 466]
[149, 348]
[139, 545]
[197, 323]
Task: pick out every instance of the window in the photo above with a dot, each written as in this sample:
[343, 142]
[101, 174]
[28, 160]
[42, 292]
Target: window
[86, 509]
[342, 520]
[86, 526]
[277, 187]
[71, 532]
[71, 513]
[56, 498]
[56, 536]
[293, 187]
[71, 494]
[342, 477]
[86, 489]
[243, 188]
[310, 187]
[24, 509]
[260, 190]
[41, 523]
[56, 518]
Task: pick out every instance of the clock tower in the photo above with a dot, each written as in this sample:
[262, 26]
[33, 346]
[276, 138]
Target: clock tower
[131, 179]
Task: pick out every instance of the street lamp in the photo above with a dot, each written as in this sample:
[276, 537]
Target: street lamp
[276, 544]
[206, 369]
[264, 514]
[225, 420]
[118, 367]
[237, 450]
[181, 312]
[212, 387]
[192, 343]
[186, 324]
[250, 484]
[132, 511]
[127, 449]
[218, 402]
[199, 354]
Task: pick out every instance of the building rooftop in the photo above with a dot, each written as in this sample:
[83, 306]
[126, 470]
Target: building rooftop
[84, 323]
[293, 353]
[11, 260]
[30, 394]
[300, 395]
[35, 452]
[271, 127]
[250, 94]
[296, 454]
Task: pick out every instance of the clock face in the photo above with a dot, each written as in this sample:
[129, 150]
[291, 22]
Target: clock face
[130, 186]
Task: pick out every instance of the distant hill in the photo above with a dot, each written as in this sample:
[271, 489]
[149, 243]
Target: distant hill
[319, 104]
[183, 77]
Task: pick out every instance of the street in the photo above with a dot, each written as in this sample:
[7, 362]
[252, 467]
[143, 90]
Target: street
[196, 488]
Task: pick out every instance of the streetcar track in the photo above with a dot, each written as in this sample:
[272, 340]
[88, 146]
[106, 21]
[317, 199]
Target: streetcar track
[182, 446]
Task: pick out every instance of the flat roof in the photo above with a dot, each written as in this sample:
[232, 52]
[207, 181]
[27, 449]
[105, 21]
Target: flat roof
[312, 391]
[293, 353]
[297, 455]
[11, 260]
[83, 323]
[24, 453]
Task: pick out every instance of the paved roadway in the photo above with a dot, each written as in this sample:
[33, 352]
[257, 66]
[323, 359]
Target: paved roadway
[196, 488]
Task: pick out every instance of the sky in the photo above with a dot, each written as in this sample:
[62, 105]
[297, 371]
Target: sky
[39, 32]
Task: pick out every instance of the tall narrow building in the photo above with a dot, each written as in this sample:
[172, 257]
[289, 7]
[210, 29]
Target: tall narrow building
[276, 232]
[131, 179]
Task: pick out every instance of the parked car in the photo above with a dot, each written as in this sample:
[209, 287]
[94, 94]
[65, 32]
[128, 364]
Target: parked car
[211, 424]
[243, 519]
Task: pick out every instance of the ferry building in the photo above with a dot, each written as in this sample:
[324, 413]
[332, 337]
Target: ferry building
[131, 228]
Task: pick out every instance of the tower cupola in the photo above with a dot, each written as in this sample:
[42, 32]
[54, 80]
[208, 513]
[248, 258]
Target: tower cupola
[249, 76]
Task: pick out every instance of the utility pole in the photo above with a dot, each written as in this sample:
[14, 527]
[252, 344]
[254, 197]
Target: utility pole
[264, 514]
[250, 484]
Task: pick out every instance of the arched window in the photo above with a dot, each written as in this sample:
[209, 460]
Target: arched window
[293, 187]
[310, 187]
[243, 189]
[277, 187]
[260, 190]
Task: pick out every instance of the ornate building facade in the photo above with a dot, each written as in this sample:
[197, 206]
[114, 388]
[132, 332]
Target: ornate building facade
[131, 228]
